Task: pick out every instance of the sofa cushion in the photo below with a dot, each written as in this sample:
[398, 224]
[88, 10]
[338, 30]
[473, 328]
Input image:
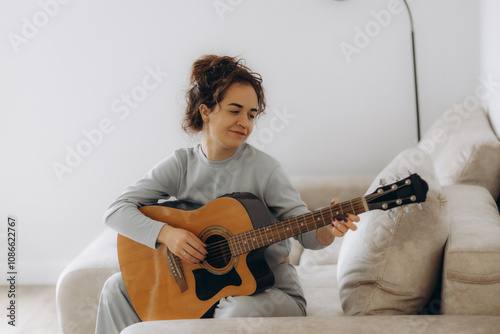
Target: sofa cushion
[465, 150]
[327, 255]
[415, 324]
[391, 265]
[471, 273]
[320, 287]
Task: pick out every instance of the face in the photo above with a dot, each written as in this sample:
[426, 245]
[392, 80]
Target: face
[230, 122]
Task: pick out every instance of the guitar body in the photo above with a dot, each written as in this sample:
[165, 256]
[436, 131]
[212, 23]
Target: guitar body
[152, 278]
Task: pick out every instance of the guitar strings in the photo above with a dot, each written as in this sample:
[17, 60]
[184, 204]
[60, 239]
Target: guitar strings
[311, 217]
[271, 229]
[221, 249]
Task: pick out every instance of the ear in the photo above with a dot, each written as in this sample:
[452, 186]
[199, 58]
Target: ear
[204, 111]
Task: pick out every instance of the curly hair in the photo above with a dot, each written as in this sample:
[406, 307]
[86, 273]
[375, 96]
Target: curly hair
[211, 77]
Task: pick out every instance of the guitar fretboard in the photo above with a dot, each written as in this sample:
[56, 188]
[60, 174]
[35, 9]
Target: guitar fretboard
[247, 241]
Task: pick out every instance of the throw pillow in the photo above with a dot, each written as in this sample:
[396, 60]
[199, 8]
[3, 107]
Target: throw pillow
[392, 263]
[465, 150]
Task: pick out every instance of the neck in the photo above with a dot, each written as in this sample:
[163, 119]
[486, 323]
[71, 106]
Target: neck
[214, 151]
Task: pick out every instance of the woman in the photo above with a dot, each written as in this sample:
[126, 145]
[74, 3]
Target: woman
[224, 99]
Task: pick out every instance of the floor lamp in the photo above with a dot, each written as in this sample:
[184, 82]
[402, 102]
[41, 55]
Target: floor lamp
[414, 68]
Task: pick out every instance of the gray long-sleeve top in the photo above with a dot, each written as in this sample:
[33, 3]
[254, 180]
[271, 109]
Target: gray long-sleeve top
[189, 176]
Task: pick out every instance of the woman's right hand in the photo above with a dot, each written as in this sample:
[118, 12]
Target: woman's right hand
[183, 243]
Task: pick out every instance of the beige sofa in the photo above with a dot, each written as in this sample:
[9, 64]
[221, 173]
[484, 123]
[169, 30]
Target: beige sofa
[435, 270]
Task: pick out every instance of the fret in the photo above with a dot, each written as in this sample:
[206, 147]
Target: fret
[353, 211]
[238, 243]
[333, 214]
[278, 230]
[242, 243]
[289, 228]
[269, 238]
[249, 240]
[313, 220]
[231, 246]
[261, 239]
[298, 226]
[254, 240]
[285, 229]
[322, 217]
[245, 242]
[305, 222]
[235, 244]
[275, 232]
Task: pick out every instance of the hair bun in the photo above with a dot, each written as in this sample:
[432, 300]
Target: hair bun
[211, 76]
[211, 68]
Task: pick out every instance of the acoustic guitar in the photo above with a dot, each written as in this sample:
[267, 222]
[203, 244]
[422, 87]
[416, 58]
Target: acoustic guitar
[237, 229]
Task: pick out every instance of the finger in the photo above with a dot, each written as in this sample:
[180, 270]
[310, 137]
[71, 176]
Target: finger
[197, 244]
[189, 258]
[336, 228]
[342, 227]
[195, 253]
[353, 218]
[338, 233]
[351, 225]
[334, 201]
[336, 222]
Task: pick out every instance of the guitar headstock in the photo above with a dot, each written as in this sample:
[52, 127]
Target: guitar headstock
[403, 192]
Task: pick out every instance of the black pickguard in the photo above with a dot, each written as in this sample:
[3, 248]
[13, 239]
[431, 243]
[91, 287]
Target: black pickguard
[208, 284]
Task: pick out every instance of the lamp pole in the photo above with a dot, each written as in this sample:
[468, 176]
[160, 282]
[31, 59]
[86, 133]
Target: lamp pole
[414, 68]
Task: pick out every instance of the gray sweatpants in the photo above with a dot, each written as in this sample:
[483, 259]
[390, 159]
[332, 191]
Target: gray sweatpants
[116, 311]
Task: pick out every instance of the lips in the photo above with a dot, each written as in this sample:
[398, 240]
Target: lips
[240, 133]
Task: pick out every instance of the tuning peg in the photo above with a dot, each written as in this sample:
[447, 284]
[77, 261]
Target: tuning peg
[410, 172]
[398, 177]
[392, 214]
[382, 182]
[420, 206]
[405, 208]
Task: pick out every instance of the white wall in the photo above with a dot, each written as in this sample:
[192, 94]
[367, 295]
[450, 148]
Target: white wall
[448, 54]
[490, 55]
[328, 112]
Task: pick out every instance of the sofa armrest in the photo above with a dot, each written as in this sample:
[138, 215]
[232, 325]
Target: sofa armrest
[80, 284]
[471, 273]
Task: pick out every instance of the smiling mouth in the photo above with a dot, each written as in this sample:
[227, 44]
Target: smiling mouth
[239, 133]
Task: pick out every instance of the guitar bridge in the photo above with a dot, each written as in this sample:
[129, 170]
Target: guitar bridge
[176, 270]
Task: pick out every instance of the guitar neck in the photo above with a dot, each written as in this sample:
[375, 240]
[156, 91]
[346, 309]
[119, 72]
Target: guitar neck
[247, 241]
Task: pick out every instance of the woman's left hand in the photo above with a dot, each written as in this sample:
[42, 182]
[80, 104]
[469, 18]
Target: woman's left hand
[327, 234]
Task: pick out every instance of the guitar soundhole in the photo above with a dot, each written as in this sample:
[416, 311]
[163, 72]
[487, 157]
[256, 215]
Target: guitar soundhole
[219, 254]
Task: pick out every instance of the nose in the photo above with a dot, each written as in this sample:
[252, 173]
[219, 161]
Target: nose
[242, 121]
